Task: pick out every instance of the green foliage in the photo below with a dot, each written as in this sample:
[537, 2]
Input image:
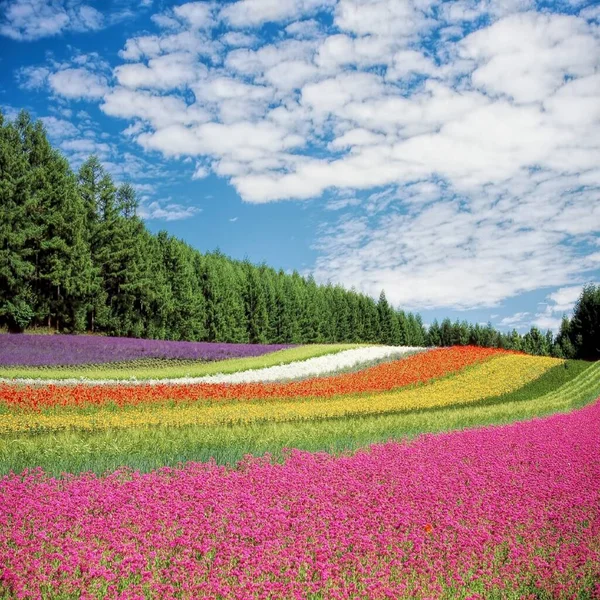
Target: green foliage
[584, 329]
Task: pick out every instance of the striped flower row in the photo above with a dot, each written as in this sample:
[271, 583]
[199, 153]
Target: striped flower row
[416, 368]
[501, 375]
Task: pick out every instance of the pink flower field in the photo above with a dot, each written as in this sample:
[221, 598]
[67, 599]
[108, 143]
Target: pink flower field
[502, 512]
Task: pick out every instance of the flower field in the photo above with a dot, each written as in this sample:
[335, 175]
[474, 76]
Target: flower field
[325, 471]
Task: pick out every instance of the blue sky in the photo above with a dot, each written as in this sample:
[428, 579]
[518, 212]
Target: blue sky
[448, 152]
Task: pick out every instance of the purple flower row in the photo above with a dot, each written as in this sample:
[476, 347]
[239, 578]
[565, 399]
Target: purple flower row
[23, 349]
[509, 511]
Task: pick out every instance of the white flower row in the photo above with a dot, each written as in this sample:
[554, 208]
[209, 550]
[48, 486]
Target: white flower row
[312, 367]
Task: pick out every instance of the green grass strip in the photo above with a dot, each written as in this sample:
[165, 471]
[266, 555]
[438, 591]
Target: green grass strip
[145, 449]
[189, 369]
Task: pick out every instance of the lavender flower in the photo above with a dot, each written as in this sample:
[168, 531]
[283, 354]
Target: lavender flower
[31, 350]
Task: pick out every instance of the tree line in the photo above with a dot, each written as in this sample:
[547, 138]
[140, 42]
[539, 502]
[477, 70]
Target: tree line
[75, 256]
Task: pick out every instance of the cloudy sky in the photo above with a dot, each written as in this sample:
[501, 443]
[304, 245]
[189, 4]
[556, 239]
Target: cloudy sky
[448, 152]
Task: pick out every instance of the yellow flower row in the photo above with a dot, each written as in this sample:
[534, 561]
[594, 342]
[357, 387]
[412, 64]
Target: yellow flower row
[500, 375]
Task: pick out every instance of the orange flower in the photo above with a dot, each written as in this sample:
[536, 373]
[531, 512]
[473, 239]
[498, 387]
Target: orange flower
[428, 528]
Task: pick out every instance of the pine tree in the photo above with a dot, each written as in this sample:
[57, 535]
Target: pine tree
[91, 184]
[416, 331]
[434, 334]
[534, 342]
[388, 325]
[584, 330]
[17, 271]
[446, 333]
[312, 313]
[404, 329]
[563, 347]
[255, 305]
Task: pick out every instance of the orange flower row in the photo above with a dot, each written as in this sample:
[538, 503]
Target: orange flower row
[417, 368]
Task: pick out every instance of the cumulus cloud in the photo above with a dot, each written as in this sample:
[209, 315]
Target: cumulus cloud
[77, 83]
[162, 72]
[84, 76]
[34, 19]
[159, 112]
[245, 13]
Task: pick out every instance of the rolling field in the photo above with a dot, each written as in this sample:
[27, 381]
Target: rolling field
[182, 470]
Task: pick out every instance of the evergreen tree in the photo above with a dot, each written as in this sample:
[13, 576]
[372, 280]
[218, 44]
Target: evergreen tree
[446, 333]
[186, 317]
[563, 347]
[255, 305]
[92, 185]
[584, 330]
[313, 309]
[404, 329]
[535, 343]
[418, 334]
[17, 270]
[388, 325]
[516, 340]
[434, 335]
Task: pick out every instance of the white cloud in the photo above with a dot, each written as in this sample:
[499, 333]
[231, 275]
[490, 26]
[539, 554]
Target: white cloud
[148, 46]
[198, 14]
[78, 83]
[35, 19]
[86, 18]
[563, 300]
[445, 255]
[201, 172]
[159, 111]
[166, 21]
[558, 303]
[86, 147]
[166, 210]
[546, 319]
[247, 13]
[33, 78]
[310, 28]
[527, 56]
[232, 99]
[237, 38]
[163, 72]
[386, 18]
[59, 128]
[514, 320]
